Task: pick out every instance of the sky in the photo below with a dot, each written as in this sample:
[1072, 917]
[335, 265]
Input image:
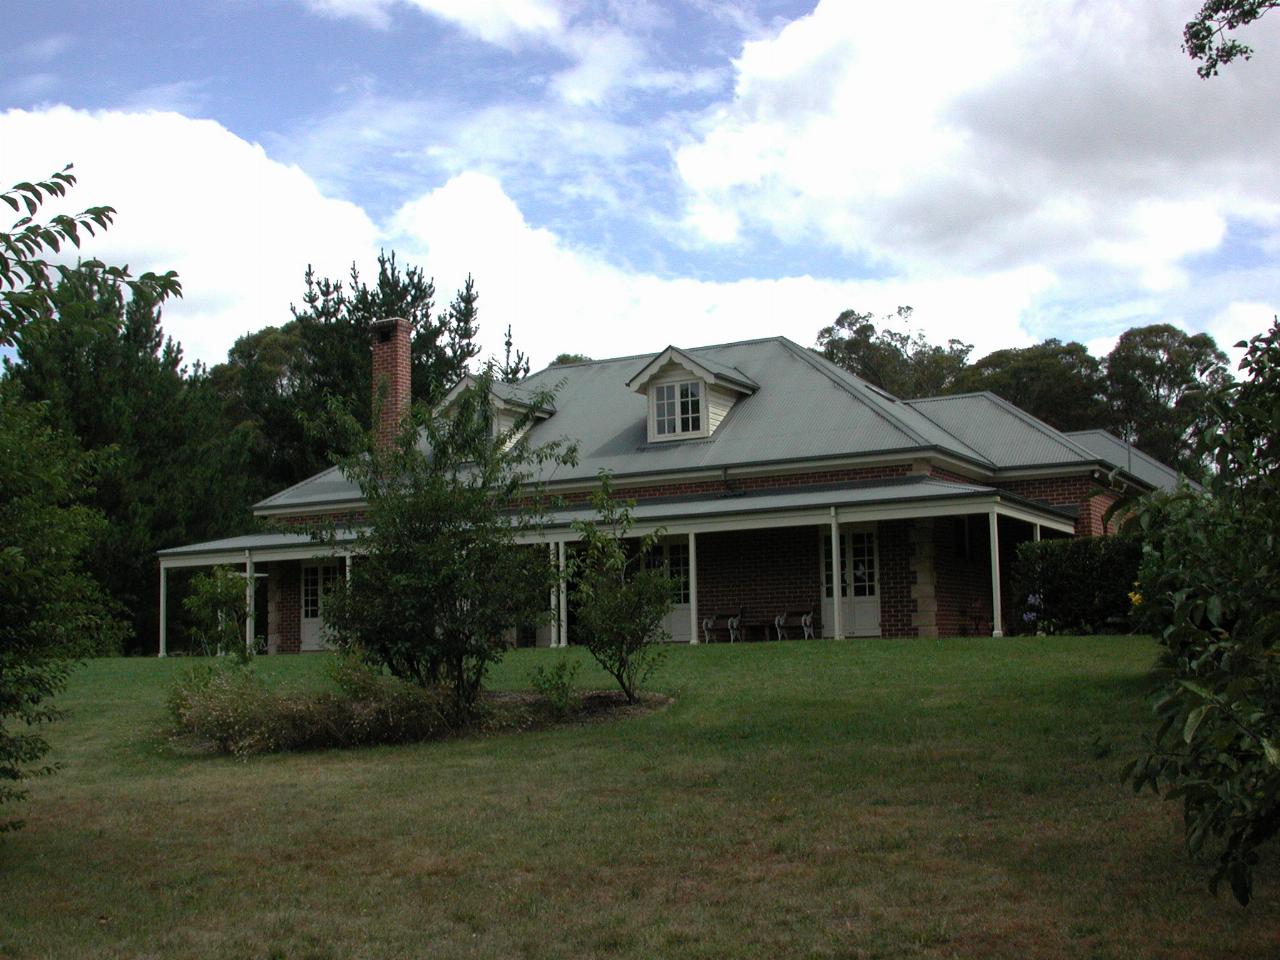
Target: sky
[620, 176]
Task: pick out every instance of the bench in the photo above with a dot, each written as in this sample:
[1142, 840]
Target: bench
[729, 622]
[796, 620]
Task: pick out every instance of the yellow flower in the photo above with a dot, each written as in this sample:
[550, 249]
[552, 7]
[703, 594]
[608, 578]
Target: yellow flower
[1135, 598]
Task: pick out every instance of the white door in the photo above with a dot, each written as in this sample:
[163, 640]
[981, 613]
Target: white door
[317, 580]
[859, 591]
[674, 556]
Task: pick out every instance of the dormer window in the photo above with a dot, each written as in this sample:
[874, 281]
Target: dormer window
[689, 396]
[677, 408]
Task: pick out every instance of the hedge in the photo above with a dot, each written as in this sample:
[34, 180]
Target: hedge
[1078, 585]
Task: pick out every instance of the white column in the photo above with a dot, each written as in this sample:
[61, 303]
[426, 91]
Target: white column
[249, 583]
[837, 578]
[693, 587]
[564, 596]
[1035, 532]
[997, 625]
[164, 612]
[553, 600]
[350, 558]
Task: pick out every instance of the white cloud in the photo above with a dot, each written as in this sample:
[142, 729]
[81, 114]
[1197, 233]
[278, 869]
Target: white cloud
[502, 22]
[561, 299]
[1240, 321]
[990, 135]
[239, 227]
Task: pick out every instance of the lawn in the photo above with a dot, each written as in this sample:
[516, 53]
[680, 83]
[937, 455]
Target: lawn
[856, 799]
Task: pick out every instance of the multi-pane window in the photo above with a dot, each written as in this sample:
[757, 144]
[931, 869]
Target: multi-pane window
[317, 582]
[674, 558]
[677, 408]
[862, 547]
[857, 562]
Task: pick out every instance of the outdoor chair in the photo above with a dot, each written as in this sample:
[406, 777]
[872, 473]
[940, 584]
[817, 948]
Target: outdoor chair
[795, 620]
[728, 622]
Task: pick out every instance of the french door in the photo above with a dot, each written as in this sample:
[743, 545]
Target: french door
[317, 582]
[673, 555]
[860, 587]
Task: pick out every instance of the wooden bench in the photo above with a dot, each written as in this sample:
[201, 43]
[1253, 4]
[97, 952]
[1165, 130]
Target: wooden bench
[795, 620]
[729, 622]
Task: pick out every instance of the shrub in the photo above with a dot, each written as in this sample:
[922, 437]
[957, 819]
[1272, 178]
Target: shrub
[1210, 591]
[556, 685]
[217, 604]
[230, 707]
[1076, 585]
[622, 600]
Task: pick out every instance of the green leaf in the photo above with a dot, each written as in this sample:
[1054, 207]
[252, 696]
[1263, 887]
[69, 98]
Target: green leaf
[1194, 719]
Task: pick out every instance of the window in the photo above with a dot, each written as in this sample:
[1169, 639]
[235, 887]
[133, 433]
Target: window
[317, 582]
[674, 558]
[677, 408]
[857, 563]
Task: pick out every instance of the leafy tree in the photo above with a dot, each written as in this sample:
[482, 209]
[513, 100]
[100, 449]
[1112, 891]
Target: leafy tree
[1209, 588]
[277, 383]
[53, 611]
[901, 363]
[218, 606]
[26, 277]
[571, 358]
[1158, 380]
[515, 365]
[622, 598]
[439, 579]
[1205, 37]
[171, 470]
[1060, 383]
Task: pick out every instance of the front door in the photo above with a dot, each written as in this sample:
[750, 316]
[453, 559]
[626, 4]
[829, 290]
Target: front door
[674, 556]
[317, 581]
[859, 591]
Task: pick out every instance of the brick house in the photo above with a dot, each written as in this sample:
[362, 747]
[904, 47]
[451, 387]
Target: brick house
[773, 474]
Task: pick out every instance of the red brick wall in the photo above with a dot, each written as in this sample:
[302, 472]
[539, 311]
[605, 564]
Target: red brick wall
[765, 572]
[963, 577]
[287, 611]
[897, 577]
[392, 370]
[348, 519]
[769, 482]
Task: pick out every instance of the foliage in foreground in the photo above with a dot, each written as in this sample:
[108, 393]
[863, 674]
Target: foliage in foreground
[218, 606]
[440, 580]
[1210, 591]
[1075, 585]
[231, 707]
[622, 598]
[53, 613]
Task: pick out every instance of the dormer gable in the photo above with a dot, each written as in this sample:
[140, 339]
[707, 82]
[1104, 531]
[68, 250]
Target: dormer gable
[688, 396]
[511, 403]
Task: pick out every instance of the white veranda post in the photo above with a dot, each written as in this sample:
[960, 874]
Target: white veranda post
[554, 598]
[249, 582]
[164, 612]
[997, 624]
[693, 588]
[837, 577]
[564, 595]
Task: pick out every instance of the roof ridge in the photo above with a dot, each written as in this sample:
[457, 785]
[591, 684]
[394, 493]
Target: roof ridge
[301, 483]
[654, 353]
[820, 364]
[1052, 432]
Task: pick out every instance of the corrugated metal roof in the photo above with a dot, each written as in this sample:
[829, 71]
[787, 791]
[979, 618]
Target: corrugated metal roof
[254, 541]
[1004, 434]
[1127, 457]
[806, 408]
[882, 493]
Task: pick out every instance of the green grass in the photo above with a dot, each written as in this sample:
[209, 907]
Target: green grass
[854, 799]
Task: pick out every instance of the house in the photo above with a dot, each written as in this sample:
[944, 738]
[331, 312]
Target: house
[774, 476]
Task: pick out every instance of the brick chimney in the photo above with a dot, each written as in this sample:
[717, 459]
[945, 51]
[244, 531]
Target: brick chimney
[391, 377]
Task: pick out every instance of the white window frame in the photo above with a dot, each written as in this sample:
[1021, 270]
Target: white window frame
[702, 413]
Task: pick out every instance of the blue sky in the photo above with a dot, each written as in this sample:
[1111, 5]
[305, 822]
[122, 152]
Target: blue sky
[619, 176]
